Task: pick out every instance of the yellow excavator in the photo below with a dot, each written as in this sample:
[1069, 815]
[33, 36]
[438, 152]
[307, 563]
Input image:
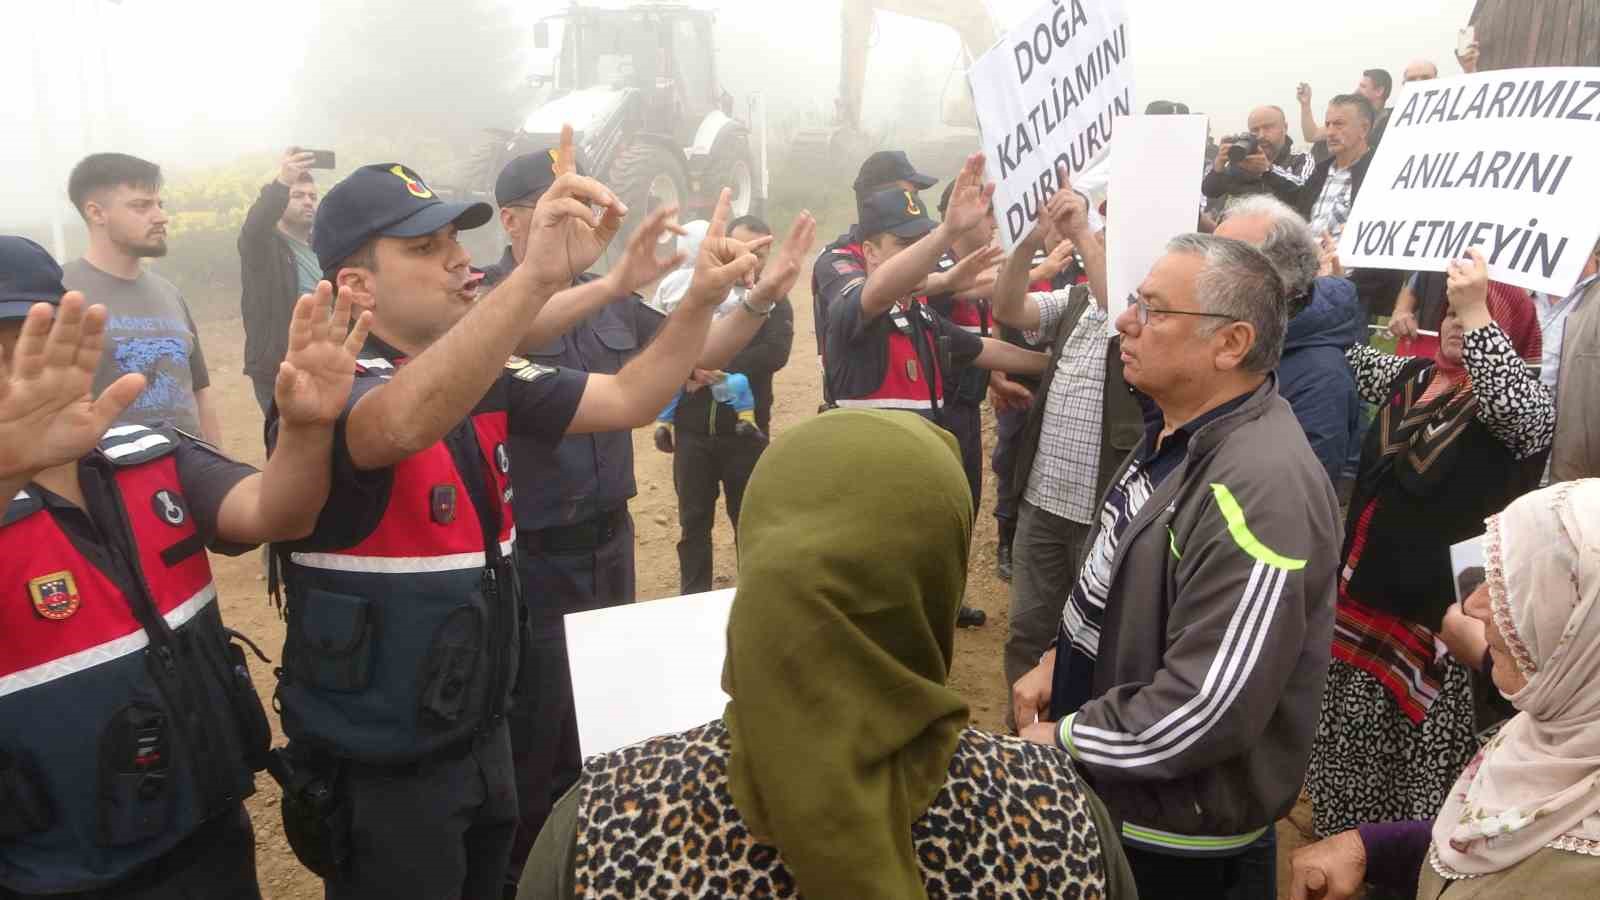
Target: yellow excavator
[845, 142]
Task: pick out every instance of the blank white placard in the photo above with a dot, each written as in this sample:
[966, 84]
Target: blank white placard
[1154, 196]
[647, 669]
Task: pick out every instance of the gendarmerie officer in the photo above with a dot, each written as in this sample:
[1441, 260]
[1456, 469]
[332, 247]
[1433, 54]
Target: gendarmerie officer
[573, 527]
[886, 347]
[129, 729]
[403, 606]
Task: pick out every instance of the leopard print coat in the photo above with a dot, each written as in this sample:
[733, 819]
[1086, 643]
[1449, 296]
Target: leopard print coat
[657, 820]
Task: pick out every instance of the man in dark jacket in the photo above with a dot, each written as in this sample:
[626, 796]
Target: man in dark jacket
[276, 266]
[1325, 321]
[709, 452]
[1274, 168]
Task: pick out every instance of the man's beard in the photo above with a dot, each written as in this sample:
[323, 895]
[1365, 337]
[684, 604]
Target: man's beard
[151, 248]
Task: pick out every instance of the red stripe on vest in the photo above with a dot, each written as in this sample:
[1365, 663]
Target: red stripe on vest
[36, 546]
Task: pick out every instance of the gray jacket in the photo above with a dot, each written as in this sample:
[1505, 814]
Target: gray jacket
[1216, 638]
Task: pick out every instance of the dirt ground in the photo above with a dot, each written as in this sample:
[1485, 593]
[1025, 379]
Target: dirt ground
[978, 675]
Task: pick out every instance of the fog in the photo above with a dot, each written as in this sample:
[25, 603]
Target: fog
[190, 83]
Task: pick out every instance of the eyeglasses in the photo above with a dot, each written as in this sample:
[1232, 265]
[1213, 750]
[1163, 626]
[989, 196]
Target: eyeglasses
[1145, 309]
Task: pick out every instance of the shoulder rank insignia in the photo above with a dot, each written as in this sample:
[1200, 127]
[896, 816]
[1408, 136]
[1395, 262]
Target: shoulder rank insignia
[532, 372]
[55, 596]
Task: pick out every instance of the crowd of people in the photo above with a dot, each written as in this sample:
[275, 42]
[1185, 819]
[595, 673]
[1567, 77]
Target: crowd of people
[1226, 519]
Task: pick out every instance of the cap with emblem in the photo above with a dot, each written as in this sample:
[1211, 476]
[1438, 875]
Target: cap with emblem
[386, 199]
[900, 213]
[28, 275]
[885, 168]
[527, 176]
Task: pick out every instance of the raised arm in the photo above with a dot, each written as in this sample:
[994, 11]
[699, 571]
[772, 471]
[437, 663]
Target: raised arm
[901, 274]
[282, 501]
[1522, 414]
[1310, 129]
[1013, 304]
[428, 396]
[638, 267]
[733, 332]
[635, 395]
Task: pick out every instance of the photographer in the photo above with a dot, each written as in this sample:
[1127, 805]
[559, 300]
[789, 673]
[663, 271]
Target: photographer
[276, 266]
[1260, 162]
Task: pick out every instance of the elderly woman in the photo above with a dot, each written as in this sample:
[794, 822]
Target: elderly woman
[1523, 820]
[1456, 438]
[843, 767]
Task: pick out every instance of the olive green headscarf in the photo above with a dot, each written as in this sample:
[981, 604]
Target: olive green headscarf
[852, 563]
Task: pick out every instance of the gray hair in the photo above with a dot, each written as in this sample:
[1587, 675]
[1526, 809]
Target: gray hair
[1290, 245]
[1239, 282]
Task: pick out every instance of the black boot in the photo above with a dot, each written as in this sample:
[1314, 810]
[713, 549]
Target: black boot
[970, 618]
[1002, 562]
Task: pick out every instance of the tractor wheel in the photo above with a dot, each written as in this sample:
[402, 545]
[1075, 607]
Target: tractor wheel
[647, 177]
[733, 165]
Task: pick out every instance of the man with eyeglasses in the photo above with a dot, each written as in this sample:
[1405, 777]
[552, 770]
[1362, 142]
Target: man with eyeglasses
[1189, 664]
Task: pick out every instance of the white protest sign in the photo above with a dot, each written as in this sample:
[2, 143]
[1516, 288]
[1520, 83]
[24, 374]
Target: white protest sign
[1154, 197]
[1046, 96]
[647, 669]
[1505, 161]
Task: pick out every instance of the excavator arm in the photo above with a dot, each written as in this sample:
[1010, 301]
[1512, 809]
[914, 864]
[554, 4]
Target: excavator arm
[967, 18]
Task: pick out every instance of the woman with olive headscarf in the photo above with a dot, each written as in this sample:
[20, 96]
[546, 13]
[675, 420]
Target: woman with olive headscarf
[843, 767]
[1523, 820]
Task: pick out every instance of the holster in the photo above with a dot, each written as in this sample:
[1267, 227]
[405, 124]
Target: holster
[316, 811]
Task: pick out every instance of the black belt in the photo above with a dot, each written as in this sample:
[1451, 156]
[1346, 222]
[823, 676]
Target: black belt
[590, 534]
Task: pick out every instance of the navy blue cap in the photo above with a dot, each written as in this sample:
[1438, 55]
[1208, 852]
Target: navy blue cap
[887, 167]
[528, 175]
[28, 275]
[900, 213]
[385, 199]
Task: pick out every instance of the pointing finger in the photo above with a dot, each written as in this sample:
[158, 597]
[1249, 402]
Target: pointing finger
[566, 162]
[719, 218]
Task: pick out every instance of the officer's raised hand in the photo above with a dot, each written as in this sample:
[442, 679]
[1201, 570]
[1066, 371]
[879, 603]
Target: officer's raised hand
[565, 236]
[315, 378]
[639, 264]
[972, 198]
[48, 416]
[723, 262]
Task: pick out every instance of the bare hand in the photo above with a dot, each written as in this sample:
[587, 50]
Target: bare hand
[1464, 636]
[1469, 60]
[969, 272]
[1403, 325]
[565, 237]
[1467, 283]
[783, 270]
[47, 415]
[971, 199]
[1220, 164]
[1056, 262]
[1331, 869]
[1256, 163]
[296, 163]
[723, 261]
[1068, 209]
[315, 377]
[1329, 266]
[1006, 394]
[639, 264]
[1030, 696]
[1303, 94]
[1039, 733]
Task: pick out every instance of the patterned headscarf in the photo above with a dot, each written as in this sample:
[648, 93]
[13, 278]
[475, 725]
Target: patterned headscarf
[1537, 783]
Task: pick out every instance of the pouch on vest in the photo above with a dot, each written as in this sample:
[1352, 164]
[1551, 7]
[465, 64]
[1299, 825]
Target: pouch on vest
[136, 793]
[24, 806]
[330, 642]
[316, 813]
[449, 669]
[255, 732]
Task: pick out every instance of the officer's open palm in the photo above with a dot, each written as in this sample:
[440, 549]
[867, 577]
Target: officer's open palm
[723, 262]
[639, 264]
[974, 275]
[566, 236]
[48, 415]
[316, 375]
[783, 270]
[971, 199]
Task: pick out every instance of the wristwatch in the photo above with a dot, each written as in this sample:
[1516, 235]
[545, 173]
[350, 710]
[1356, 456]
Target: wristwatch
[744, 301]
